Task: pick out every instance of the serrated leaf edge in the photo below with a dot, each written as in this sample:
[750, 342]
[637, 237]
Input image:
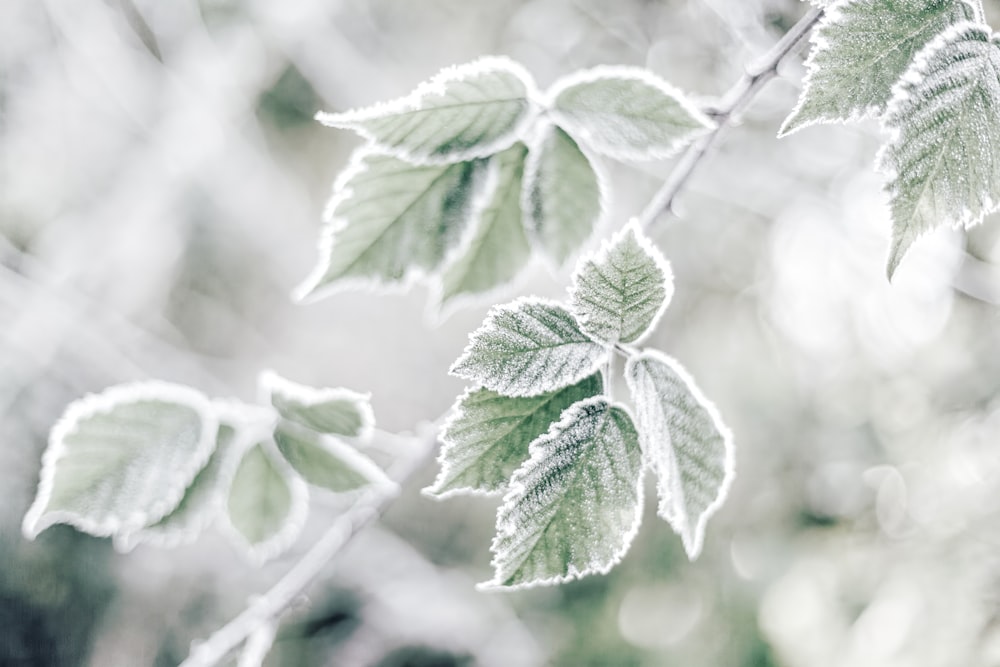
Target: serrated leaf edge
[271, 384]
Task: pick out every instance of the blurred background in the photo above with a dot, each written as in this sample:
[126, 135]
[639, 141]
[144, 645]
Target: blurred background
[161, 187]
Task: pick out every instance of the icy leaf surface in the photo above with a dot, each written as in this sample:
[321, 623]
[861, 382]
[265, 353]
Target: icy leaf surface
[563, 198]
[943, 155]
[619, 294]
[575, 505]
[684, 442]
[328, 410]
[122, 459]
[528, 347]
[487, 435]
[327, 462]
[626, 113]
[464, 112]
[860, 50]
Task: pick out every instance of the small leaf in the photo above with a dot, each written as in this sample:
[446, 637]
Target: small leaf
[860, 50]
[121, 459]
[487, 436]
[464, 112]
[684, 441]
[328, 410]
[575, 505]
[563, 195]
[327, 462]
[391, 221]
[619, 294]
[943, 155]
[528, 347]
[626, 113]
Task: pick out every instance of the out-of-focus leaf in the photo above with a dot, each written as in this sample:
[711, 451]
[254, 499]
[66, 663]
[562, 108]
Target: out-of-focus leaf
[328, 410]
[326, 462]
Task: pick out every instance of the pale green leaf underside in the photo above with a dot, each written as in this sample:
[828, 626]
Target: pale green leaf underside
[685, 443]
[528, 347]
[861, 49]
[325, 462]
[328, 410]
[488, 435]
[562, 196]
[943, 159]
[575, 505]
[618, 295]
[260, 497]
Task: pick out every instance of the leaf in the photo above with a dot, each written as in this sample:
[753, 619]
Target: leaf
[528, 347]
[860, 50]
[563, 195]
[943, 155]
[120, 460]
[391, 221]
[329, 410]
[626, 113]
[327, 462]
[619, 294]
[499, 248]
[464, 112]
[267, 504]
[685, 443]
[487, 436]
[575, 505]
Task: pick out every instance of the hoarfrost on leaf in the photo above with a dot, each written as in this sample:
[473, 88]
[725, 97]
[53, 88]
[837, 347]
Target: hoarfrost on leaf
[528, 347]
[328, 410]
[326, 462]
[943, 155]
[685, 443]
[575, 505]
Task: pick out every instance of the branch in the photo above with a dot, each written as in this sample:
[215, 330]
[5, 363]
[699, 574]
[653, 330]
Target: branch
[725, 114]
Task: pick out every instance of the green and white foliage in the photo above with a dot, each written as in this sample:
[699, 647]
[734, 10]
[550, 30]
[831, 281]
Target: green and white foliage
[462, 180]
[336, 411]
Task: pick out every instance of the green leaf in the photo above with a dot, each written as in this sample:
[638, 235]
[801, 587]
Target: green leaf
[626, 113]
[122, 459]
[391, 221]
[329, 410]
[943, 156]
[487, 435]
[327, 462]
[619, 294]
[499, 248]
[528, 347]
[685, 443]
[563, 195]
[860, 50]
[575, 505]
[464, 112]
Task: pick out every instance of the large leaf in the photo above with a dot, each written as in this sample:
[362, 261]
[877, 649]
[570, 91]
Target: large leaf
[390, 221]
[685, 443]
[943, 157]
[120, 460]
[487, 436]
[575, 505]
[327, 410]
[619, 294]
[464, 112]
[327, 462]
[626, 113]
[528, 347]
[860, 50]
[563, 195]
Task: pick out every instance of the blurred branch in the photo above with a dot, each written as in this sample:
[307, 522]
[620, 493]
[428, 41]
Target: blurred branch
[726, 114]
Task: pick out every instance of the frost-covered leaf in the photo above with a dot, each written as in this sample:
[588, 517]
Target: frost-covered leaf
[563, 195]
[943, 155]
[487, 436]
[575, 505]
[619, 294]
[327, 410]
[685, 443]
[499, 248]
[120, 460]
[860, 50]
[528, 347]
[626, 113]
[464, 112]
[327, 462]
[267, 503]
[390, 221]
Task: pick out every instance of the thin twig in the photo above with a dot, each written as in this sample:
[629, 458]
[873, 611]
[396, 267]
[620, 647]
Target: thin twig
[725, 114]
